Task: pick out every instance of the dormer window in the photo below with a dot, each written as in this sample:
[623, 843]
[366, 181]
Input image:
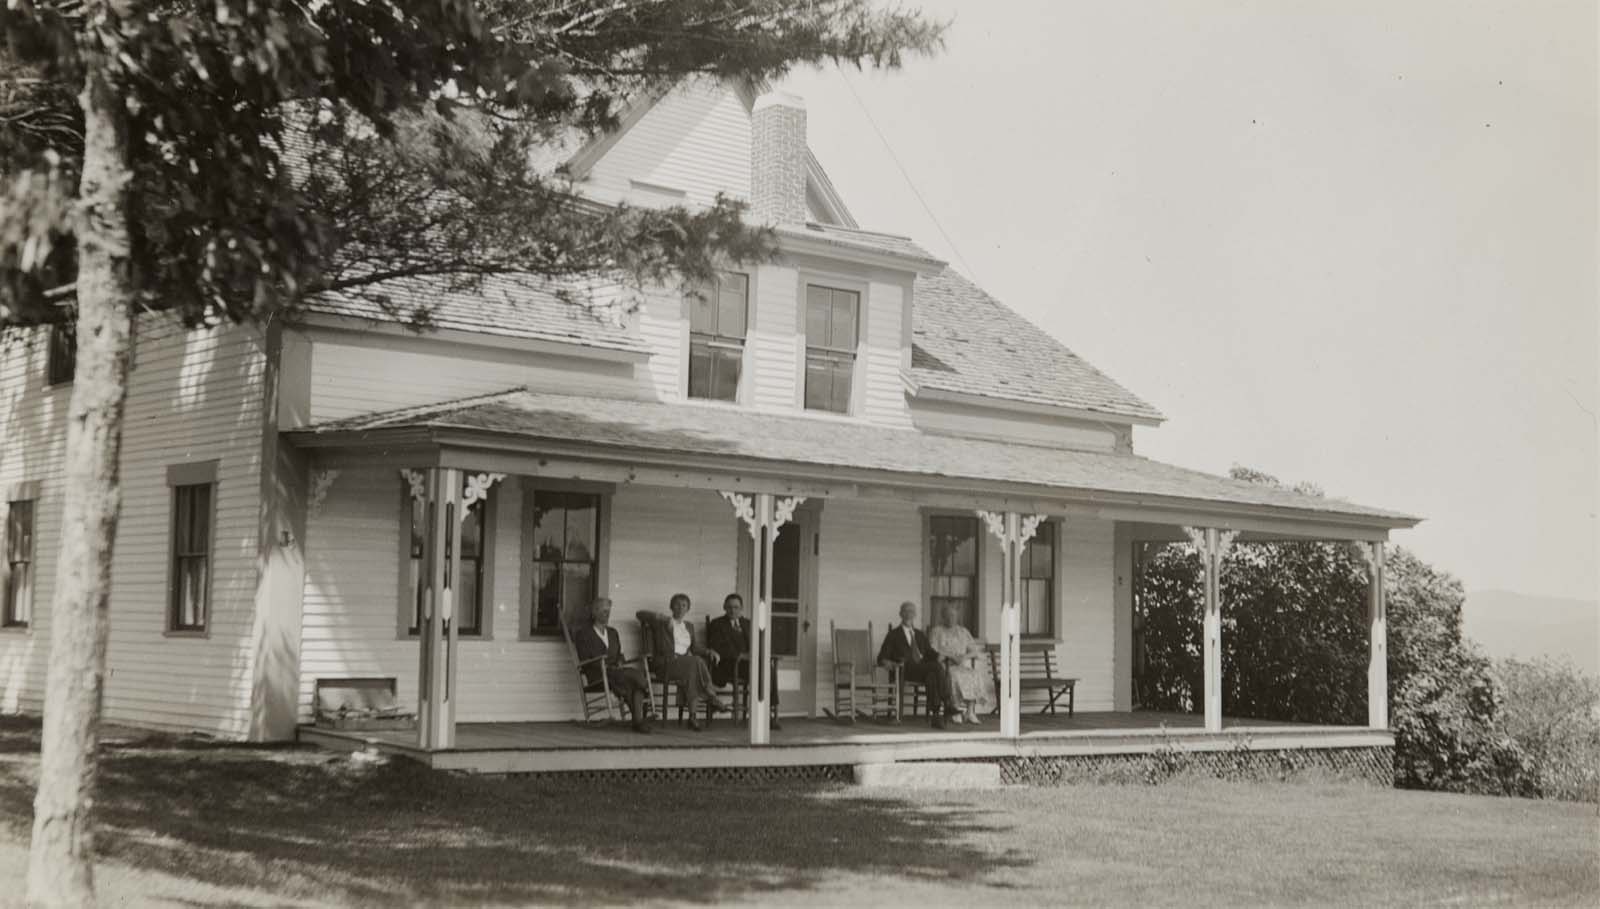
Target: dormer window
[832, 315]
[718, 322]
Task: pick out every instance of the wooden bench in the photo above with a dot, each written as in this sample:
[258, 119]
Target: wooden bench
[1038, 659]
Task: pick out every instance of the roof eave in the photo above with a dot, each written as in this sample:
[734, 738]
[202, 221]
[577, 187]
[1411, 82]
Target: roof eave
[1022, 405]
[797, 240]
[571, 347]
[436, 437]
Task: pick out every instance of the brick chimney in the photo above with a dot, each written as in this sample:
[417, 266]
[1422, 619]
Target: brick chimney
[778, 159]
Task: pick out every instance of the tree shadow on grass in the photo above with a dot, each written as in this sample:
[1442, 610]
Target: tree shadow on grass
[302, 825]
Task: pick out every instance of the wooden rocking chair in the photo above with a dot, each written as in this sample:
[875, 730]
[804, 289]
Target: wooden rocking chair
[594, 695]
[857, 679]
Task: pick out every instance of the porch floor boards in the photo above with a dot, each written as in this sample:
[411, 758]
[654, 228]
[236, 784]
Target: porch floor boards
[556, 746]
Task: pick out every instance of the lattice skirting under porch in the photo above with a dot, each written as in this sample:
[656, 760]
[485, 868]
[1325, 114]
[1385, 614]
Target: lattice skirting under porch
[1374, 765]
[758, 776]
[1371, 765]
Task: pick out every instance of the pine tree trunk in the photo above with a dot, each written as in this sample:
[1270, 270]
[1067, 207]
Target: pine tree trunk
[60, 864]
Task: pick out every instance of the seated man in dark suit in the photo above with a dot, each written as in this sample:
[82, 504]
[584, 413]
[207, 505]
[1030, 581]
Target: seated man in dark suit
[906, 648]
[600, 639]
[729, 636]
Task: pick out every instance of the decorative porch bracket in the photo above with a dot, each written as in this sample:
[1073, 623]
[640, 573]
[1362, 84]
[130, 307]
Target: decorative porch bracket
[764, 516]
[1213, 545]
[475, 487]
[320, 481]
[1013, 530]
[1377, 636]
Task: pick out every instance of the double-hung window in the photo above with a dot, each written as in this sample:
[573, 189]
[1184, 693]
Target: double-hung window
[719, 319]
[189, 604]
[63, 360]
[565, 556]
[16, 610]
[832, 319]
[953, 568]
[476, 542]
[1038, 582]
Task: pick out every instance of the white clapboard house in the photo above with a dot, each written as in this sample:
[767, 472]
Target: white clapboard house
[856, 416]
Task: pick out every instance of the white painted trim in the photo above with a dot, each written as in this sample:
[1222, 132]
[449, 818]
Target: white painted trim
[1051, 410]
[790, 240]
[320, 326]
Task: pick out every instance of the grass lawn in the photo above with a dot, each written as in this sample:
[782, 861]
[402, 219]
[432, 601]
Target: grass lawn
[185, 823]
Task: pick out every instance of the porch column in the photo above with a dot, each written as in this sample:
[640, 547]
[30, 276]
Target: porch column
[764, 515]
[436, 711]
[1013, 530]
[1213, 545]
[1378, 638]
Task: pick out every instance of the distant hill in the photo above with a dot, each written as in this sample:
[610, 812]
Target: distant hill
[1518, 625]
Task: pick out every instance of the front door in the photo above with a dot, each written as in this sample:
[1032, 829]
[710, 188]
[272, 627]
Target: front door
[794, 608]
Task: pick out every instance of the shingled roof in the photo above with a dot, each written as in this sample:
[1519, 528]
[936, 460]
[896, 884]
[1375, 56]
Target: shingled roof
[510, 307]
[624, 428]
[965, 341]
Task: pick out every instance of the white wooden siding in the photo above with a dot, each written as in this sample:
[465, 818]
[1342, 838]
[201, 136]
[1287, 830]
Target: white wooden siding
[663, 327]
[32, 441]
[773, 342]
[662, 541]
[193, 396]
[351, 606]
[878, 366]
[973, 422]
[1086, 622]
[870, 562]
[354, 374]
[695, 140]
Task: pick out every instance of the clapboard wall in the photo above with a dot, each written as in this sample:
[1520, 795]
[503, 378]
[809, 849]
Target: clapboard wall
[193, 396]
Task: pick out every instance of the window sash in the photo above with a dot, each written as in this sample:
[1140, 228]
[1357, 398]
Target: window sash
[723, 310]
[719, 321]
[190, 587]
[828, 380]
[832, 318]
[832, 321]
[1038, 583]
[16, 609]
[565, 567]
[953, 561]
[715, 367]
[62, 362]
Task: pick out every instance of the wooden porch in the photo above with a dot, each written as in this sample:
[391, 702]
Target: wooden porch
[572, 746]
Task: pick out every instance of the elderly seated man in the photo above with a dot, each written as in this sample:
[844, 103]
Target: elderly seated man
[601, 640]
[906, 648]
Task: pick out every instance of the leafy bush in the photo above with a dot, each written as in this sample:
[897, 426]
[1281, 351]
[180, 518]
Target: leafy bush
[1294, 647]
[1551, 711]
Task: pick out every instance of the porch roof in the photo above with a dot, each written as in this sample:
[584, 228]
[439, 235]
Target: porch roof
[640, 434]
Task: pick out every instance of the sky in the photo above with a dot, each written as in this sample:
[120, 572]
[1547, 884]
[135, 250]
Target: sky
[1352, 243]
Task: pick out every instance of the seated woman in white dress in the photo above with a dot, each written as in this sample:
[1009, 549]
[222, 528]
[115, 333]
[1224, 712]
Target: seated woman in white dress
[971, 684]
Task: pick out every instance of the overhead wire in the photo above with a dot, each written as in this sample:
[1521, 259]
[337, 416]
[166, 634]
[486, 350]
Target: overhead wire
[905, 175]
